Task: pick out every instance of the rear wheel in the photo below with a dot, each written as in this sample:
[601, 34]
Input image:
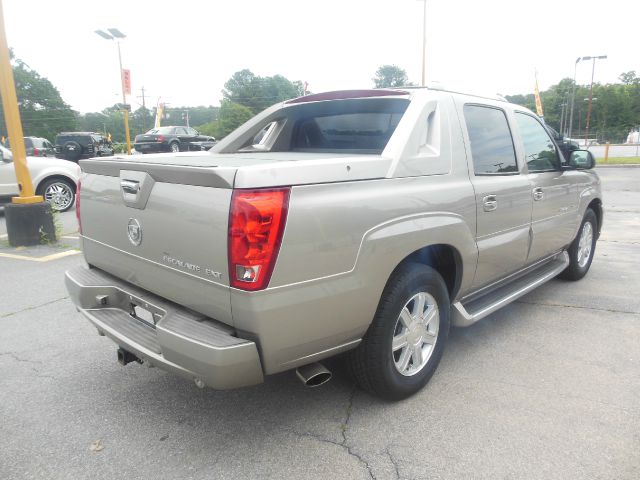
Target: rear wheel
[582, 248]
[59, 193]
[175, 148]
[404, 344]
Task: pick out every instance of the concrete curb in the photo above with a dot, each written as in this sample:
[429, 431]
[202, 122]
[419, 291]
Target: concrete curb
[618, 165]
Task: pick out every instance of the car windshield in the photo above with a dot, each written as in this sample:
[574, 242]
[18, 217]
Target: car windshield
[6, 153]
[161, 131]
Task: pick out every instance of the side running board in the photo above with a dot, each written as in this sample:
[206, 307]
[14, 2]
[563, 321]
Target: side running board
[466, 313]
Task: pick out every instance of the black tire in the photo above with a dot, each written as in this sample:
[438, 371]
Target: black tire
[174, 147]
[373, 362]
[72, 151]
[59, 192]
[578, 268]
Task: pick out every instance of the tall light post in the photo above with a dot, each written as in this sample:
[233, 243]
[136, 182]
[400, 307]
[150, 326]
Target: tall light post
[593, 69]
[573, 93]
[117, 35]
[424, 42]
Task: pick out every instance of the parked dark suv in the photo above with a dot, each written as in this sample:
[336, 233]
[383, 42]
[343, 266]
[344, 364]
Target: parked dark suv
[172, 139]
[36, 147]
[78, 145]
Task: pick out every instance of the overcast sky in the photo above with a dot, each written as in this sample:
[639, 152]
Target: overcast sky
[185, 50]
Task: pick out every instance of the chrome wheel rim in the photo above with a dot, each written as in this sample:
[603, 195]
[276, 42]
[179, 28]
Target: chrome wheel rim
[415, 334]
[59, 195]
[584, 244]
[175, 147]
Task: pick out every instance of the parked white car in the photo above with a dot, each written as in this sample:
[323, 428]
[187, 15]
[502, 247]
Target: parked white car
[56, 180]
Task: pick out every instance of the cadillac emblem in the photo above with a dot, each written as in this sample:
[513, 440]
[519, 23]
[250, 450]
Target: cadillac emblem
[134, 231]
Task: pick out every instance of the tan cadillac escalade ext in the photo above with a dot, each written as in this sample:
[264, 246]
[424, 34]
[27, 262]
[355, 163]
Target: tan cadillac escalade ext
[362, 221]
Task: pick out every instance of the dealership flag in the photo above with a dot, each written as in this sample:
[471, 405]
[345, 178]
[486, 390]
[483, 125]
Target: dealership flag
[538, 100]
[126, 81]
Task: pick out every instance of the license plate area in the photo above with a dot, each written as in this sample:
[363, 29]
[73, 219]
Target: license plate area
[144, 312]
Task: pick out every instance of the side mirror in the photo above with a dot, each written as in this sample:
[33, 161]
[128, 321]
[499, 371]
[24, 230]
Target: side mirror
[582, 160]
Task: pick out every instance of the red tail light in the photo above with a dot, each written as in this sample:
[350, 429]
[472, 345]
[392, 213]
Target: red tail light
[256, 225]
[78, 208]
[36, 152]
[160, 138]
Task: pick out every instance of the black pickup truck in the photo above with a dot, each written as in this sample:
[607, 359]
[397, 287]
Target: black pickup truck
[172, 139]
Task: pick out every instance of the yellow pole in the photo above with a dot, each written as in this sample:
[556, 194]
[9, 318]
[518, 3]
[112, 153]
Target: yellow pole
[124, 103]
[606, 152]
[12, 120]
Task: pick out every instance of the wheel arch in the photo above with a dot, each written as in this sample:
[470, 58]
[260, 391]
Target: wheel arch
[57, 176]
[596, 206]
[443, 258]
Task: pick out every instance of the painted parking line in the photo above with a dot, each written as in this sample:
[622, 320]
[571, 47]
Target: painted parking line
[48, 258]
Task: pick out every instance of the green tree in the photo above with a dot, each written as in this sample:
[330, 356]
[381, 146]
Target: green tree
[42, 110]
[231, 116]
[391, 76]
[629, 78]
[257, 93]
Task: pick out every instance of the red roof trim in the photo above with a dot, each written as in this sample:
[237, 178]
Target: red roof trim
[346, 94]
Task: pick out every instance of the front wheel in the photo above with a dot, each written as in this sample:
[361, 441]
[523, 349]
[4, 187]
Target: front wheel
[404, 343]
[582, 248]
[59, 193]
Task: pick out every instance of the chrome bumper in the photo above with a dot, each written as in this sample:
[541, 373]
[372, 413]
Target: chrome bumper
[181, 341]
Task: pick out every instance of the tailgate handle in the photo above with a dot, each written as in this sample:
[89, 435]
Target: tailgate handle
[130, 186]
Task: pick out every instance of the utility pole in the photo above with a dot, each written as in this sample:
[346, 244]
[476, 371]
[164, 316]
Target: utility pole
[144, 106]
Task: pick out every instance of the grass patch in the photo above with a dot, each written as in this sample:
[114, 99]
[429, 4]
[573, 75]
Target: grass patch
[618, 160]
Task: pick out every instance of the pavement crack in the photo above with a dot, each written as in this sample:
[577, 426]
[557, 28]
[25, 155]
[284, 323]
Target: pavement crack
[393, 461]
[17, 358]
[345, 427]
[562, 305]
[33, 307]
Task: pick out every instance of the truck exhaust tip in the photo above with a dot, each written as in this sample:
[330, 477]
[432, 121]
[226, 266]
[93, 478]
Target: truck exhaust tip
[313, 375]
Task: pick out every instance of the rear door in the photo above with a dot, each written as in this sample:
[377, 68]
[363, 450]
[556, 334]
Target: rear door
[554, 194]
[502, 192]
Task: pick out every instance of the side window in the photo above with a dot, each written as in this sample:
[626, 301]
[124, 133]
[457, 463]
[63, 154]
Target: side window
[539, 150]
[191, 131]
[181, 131]
[491, 143]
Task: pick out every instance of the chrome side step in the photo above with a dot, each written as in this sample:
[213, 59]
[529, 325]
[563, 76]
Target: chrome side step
[467, 313]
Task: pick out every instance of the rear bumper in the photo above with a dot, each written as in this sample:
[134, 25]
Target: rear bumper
[181, 341]
[151, 147]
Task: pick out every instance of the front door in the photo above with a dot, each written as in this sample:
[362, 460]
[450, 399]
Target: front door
[8, 183]
[502, 193]
[555, 195]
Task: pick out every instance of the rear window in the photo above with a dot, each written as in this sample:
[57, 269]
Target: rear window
[81, 139]
[161, 131]
[338, 126]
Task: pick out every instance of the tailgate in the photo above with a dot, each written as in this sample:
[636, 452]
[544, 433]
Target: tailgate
[161, 224]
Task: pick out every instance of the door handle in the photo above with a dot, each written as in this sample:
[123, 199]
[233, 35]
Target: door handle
[538, 194]
[490, 203]
[130, 186]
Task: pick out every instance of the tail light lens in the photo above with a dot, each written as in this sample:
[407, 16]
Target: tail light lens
[78, 207]
[160, 138]
[256, 225]
[36, 152]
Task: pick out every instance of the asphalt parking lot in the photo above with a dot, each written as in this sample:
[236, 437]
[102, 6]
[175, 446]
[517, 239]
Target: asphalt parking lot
[546, 388]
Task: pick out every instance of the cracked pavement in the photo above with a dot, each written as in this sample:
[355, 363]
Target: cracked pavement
[546, 388]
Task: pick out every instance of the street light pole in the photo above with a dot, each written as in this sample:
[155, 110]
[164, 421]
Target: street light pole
[573, 95]
[593, 69]
[424, 43]
[117, 35]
